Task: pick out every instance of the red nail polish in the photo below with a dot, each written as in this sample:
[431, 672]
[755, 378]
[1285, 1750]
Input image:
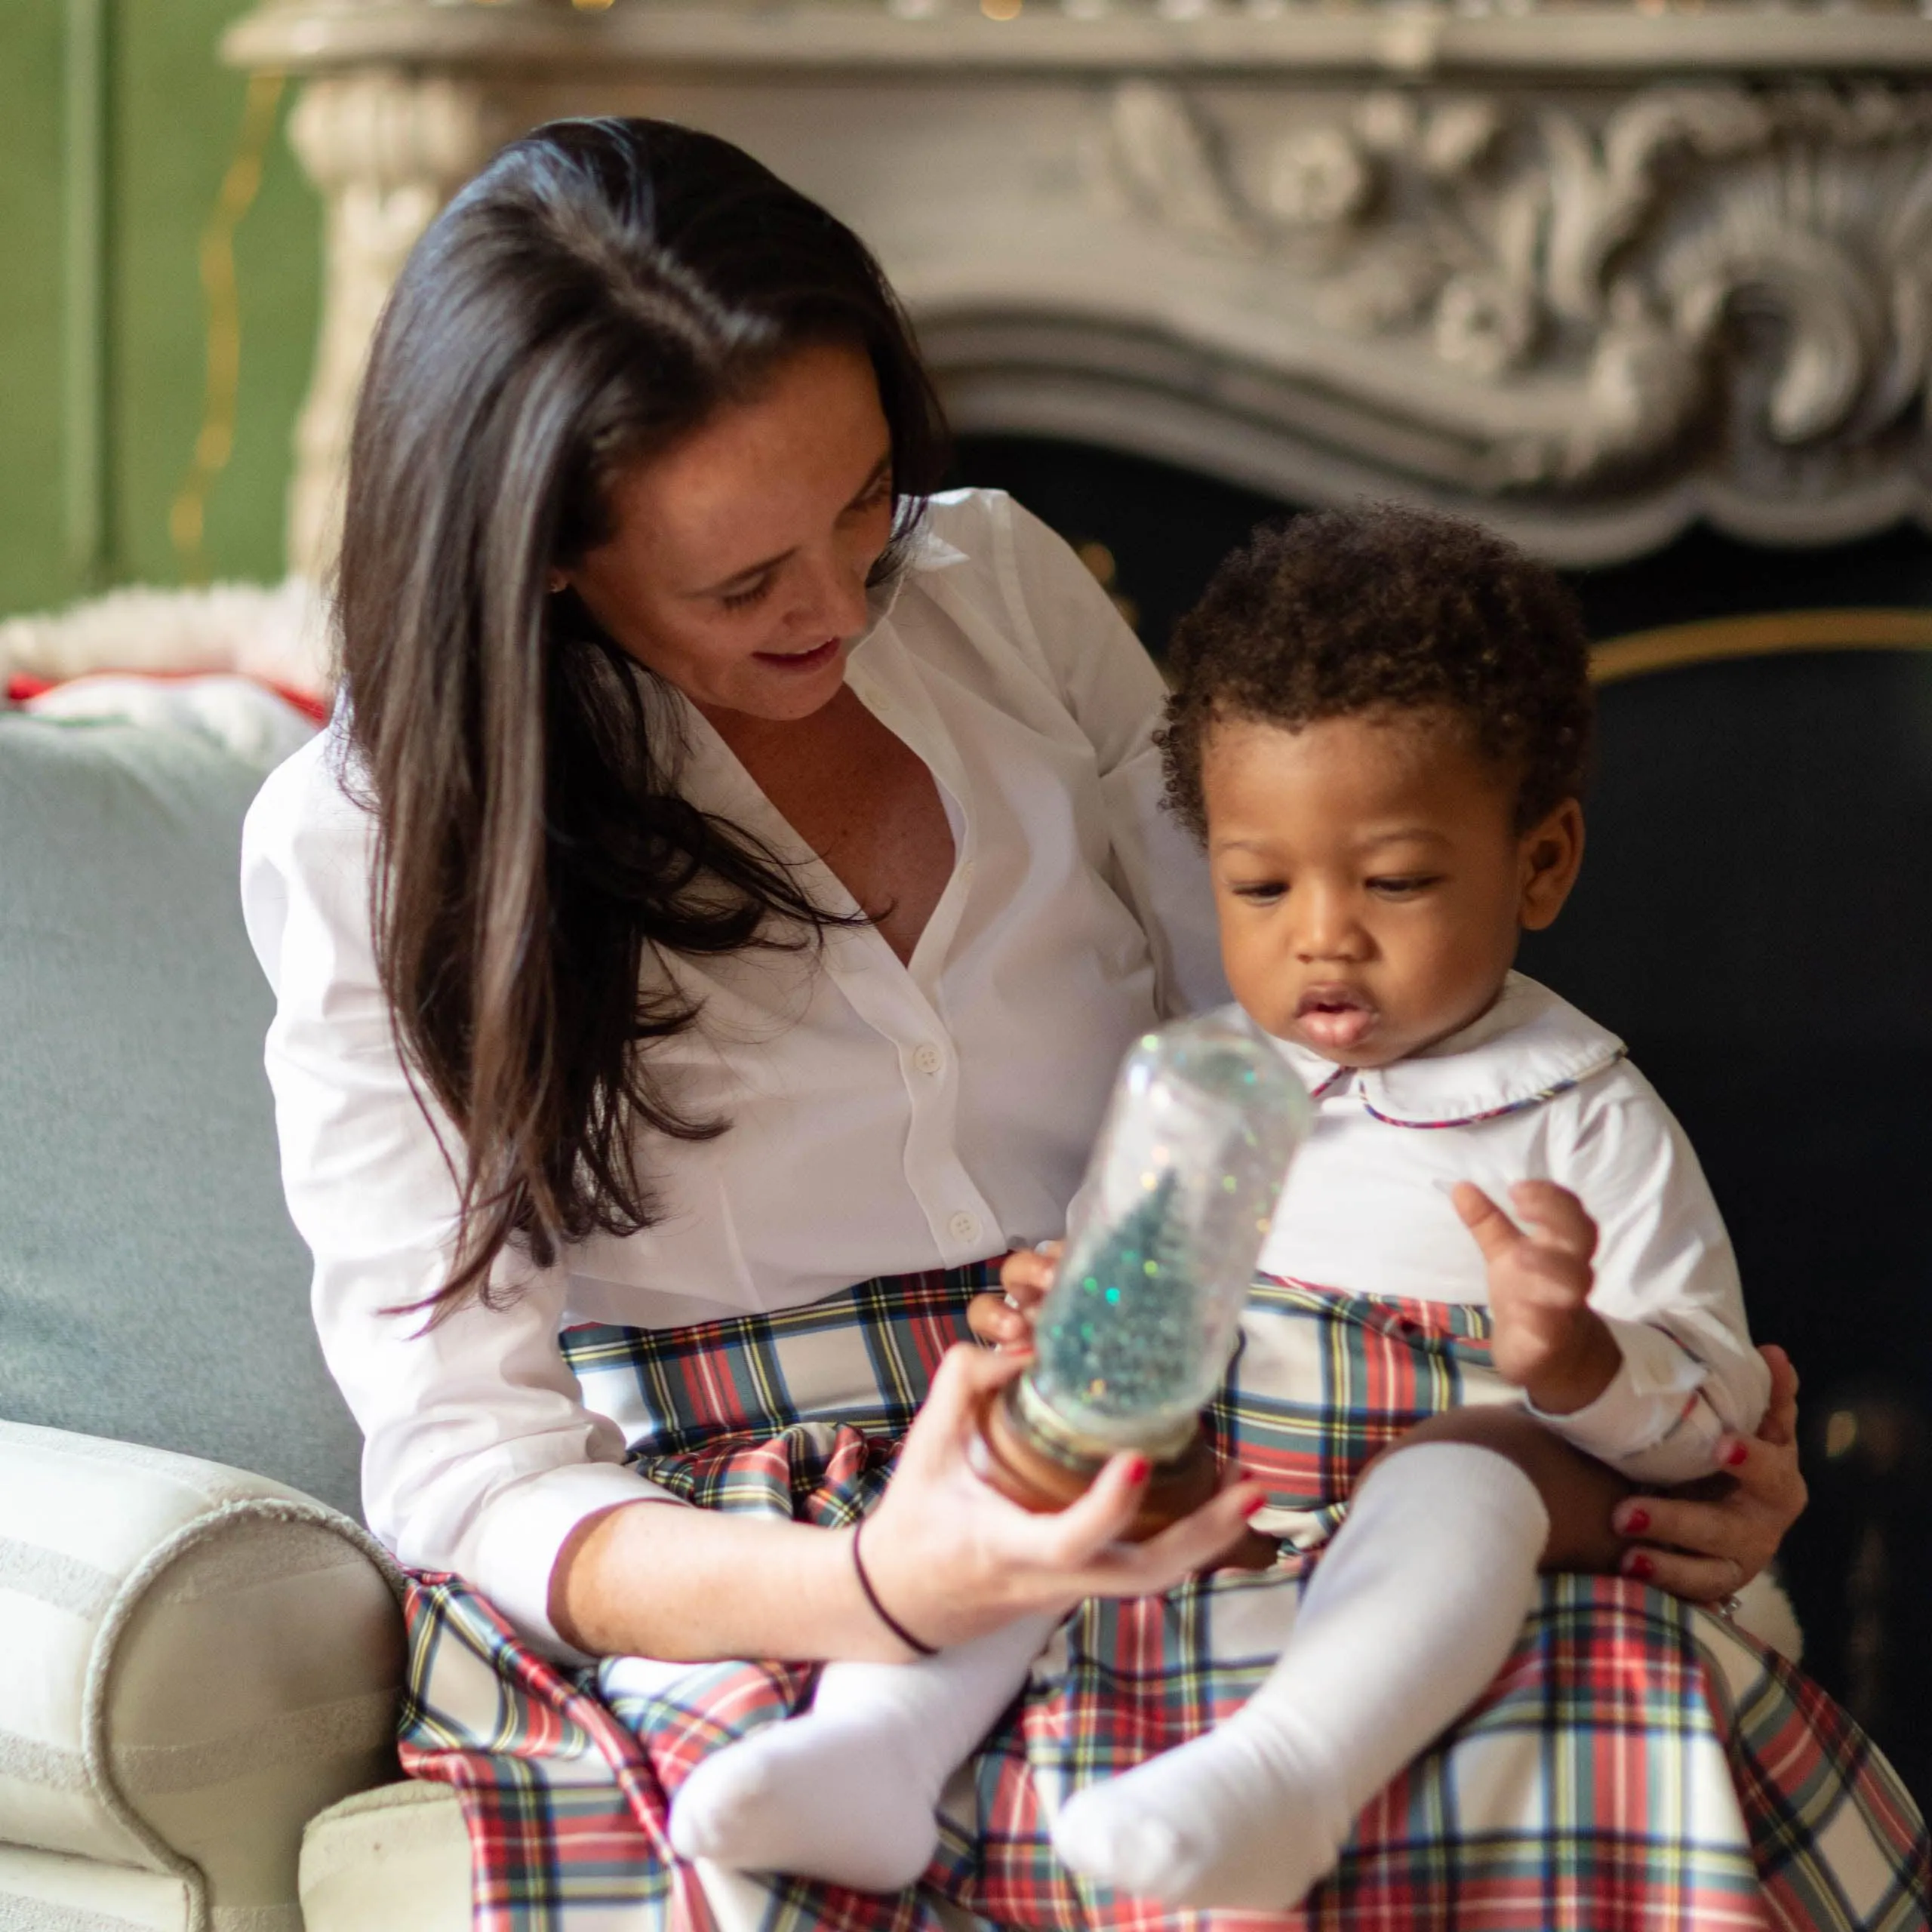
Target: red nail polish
[1636, 1521]
[1139, 1470]
[1640, 1566]
[1735, 1455]
[1254, 1505]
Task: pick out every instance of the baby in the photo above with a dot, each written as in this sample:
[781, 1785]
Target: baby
[1380, 729]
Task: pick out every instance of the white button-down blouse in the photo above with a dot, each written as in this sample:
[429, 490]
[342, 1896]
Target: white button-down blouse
[1535, 1090]
[884, 1117]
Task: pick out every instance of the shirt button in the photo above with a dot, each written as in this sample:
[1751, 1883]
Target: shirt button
[963, 1227]
[928, 1058]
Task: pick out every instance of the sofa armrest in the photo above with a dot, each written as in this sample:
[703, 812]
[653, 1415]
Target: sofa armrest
[197, 1661]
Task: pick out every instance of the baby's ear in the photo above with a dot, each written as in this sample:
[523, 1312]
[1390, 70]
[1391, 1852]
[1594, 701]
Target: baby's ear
[1551, 854]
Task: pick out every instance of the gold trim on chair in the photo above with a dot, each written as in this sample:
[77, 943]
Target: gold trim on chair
[1673, 646]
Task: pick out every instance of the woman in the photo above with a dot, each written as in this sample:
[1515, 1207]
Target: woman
[732, 878]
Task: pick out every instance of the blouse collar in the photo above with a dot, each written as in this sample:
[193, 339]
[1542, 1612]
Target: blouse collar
[1529, 1046]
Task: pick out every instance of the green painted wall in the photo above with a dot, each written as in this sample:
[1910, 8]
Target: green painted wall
[171, 117]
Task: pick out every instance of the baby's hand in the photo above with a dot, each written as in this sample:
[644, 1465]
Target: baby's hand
[1006, 1320]
[1548, 1340]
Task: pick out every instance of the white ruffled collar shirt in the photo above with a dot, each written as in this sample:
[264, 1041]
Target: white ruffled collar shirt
[1534, 1090]
[885, 1118]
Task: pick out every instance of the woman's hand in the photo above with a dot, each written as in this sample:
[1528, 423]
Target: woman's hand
[951, 1558]
[1706, 1547]
[1006, 1320]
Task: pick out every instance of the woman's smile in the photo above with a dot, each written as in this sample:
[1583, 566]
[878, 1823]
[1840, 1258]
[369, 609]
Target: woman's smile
[815, 659]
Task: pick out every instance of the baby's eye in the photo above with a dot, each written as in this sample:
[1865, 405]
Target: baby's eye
[1406, 885]
[738, 600]
[1260, 891]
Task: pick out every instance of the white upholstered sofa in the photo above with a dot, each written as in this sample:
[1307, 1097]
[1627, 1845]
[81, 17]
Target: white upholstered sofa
[197, 1660]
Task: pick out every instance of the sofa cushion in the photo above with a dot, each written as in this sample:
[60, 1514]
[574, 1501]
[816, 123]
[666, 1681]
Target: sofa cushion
[151, 1286]
[393, 1860]
[43, 1891]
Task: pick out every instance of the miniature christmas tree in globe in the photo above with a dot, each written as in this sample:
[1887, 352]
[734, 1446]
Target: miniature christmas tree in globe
[1162, 1244]
[1122, 1345]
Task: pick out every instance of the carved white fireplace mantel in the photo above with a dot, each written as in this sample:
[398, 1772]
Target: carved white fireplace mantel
[1591, 273]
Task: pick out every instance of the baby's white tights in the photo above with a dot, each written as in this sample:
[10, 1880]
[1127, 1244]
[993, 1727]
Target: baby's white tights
[848, 1791]
[1409, 1616]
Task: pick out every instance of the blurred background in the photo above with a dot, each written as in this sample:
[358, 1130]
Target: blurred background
[120, 126]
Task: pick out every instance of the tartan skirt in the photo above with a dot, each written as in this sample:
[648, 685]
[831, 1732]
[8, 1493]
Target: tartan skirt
[1638, 1764]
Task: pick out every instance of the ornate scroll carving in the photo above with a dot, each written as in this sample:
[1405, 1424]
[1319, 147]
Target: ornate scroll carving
[1590, 272]
[386, 151]
[1751, 264]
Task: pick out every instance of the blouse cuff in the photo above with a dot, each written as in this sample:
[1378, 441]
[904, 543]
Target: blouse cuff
[524, 1529]
[1652, 1422]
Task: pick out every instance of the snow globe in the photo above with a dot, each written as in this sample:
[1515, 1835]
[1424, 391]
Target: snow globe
[1161, 1247]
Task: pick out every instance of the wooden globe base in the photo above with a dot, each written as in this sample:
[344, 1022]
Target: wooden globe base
[1007, 1454]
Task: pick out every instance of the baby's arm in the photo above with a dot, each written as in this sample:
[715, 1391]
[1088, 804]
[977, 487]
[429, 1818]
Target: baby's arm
[1627, 1331]
[1005, 1320]
[1548, 1341]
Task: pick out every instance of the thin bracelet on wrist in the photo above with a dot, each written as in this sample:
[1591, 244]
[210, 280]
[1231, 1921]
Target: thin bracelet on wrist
[879, 1610]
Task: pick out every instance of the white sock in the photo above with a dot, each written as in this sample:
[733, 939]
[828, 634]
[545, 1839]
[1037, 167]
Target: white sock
[846, 1791]
[1408, 1617]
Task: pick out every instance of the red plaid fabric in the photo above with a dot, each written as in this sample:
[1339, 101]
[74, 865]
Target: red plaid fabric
[1638, 1764]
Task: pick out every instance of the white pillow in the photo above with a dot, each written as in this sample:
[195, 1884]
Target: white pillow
[246, 719]
[280, 635]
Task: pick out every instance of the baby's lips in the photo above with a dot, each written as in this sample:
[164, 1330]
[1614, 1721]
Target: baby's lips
[1330, 993]
[1336, 1027]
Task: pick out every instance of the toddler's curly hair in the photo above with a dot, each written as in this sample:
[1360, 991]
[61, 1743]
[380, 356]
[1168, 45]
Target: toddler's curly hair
[1385, 610]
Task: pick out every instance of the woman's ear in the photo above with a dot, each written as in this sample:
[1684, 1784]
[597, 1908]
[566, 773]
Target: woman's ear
[1551, 854]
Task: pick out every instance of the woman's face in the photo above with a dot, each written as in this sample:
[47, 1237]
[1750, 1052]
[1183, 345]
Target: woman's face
[737, 567]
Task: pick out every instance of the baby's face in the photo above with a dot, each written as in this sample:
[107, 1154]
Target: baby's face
[1370, 879]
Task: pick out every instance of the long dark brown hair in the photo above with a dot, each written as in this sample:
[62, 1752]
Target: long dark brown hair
[597, 292]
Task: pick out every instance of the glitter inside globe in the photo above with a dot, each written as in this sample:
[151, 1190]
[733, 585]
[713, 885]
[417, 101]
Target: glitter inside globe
[1125, 1343]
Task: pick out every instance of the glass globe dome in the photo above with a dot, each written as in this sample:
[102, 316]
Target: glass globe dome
[1162, 1243]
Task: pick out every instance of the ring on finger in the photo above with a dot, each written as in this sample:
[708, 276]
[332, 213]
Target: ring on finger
[1734, 1602]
